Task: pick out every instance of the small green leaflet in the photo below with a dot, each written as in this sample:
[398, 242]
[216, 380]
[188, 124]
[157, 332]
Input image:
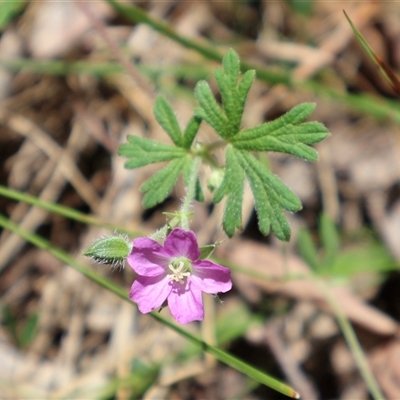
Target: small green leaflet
[285, 134]
[226, 122]
[270, 194]
[142, 151]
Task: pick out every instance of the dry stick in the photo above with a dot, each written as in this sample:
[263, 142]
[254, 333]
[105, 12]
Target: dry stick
[129, 67]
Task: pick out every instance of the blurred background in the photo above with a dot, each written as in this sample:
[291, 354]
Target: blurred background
[76, 77]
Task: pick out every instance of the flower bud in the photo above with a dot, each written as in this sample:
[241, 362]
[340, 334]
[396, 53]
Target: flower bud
[215, 179]
[110, 250]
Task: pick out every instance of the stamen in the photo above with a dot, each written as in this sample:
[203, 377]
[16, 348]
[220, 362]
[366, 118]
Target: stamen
[177, 273]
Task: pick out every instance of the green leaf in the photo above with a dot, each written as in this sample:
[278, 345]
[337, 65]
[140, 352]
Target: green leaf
[141, 151]
[225, 121]
[228, 101]
[158, 187]
[287, 134]
[307, 249]
[166, 118]
[243, 89]
[231, 65]
[232, 187]
[227, 80]
[233, 94]
[8, 10]
[284, 134]
[191, 131]
[330, 240]
[29, 330]
[270, 195]
[211, 111]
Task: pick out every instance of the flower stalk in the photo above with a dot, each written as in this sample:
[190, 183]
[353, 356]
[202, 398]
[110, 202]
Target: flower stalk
[190, 193]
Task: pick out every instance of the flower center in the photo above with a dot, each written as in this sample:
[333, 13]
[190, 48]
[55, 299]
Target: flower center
[179, 269]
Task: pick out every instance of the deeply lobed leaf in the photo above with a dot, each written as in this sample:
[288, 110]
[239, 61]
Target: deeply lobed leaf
[141, 152]
[232, 187]
[166, 118]
[190, 132]
[234, 92]
[210, 111]
[158, 187]
[228, 99]
[231, 65]
[242, 92]
[285, 135]
[270, 195]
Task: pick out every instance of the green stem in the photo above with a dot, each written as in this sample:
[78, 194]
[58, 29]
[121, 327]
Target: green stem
[190, 193]
[162, 233]
[63, 210]
[352, 342]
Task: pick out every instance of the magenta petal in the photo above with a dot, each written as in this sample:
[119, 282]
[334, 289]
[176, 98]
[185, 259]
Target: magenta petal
[186, 305]
[148, 257]
[150, 292]
[211, 278]
[182, 243]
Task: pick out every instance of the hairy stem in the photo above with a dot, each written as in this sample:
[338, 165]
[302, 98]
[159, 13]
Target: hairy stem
[190, 193]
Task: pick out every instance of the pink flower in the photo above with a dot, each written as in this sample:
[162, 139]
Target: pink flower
[173, 272]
